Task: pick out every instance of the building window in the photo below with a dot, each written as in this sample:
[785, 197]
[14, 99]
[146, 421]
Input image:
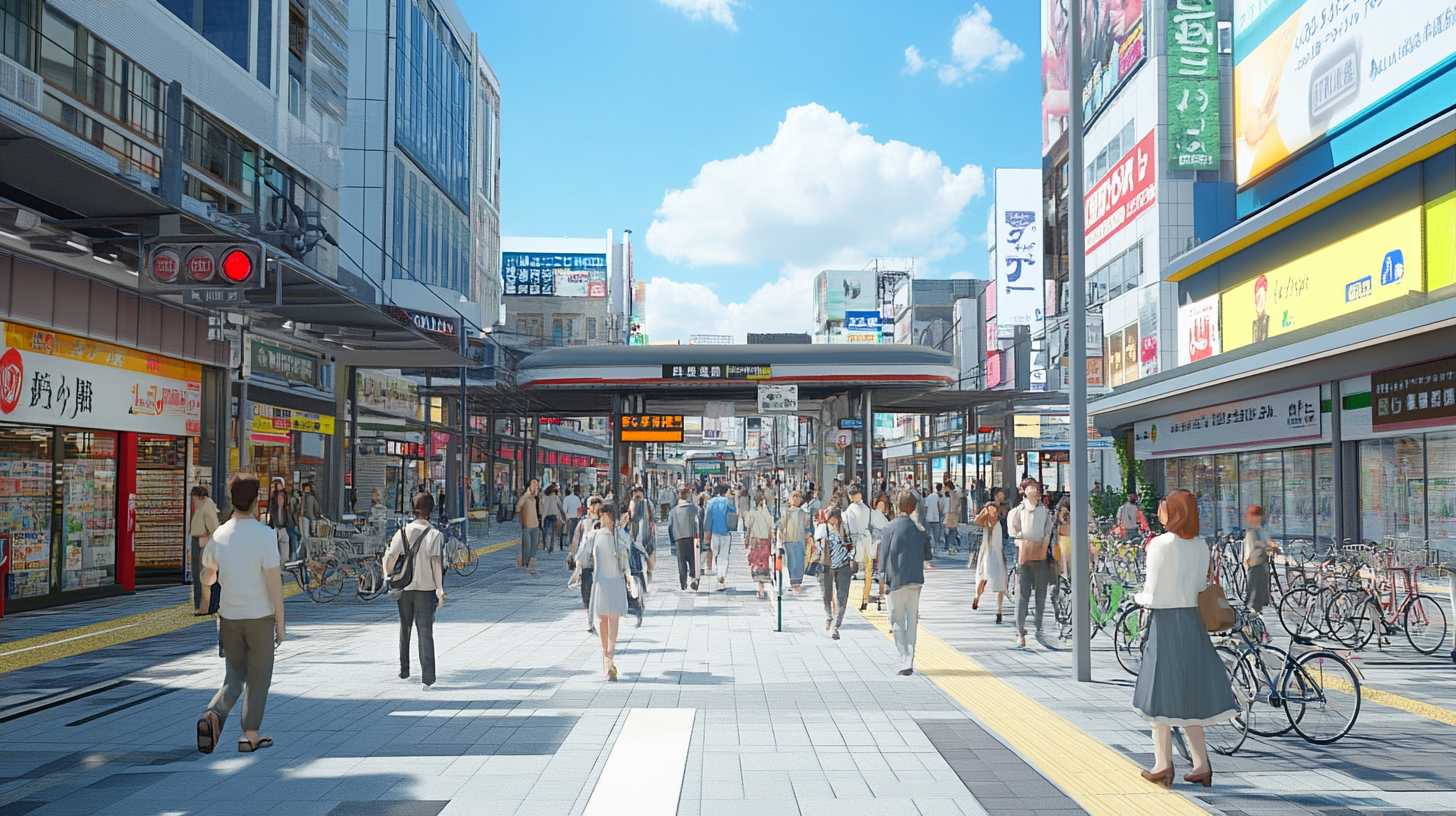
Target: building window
[1121, 143]
[591, 329]
[432, 98]
[297, 53]
[431, 236]
[224, 23]
[530, 325]
[1119, 275]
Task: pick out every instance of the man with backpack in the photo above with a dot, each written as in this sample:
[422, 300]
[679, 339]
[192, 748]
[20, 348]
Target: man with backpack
[722, 521]
[416, 583]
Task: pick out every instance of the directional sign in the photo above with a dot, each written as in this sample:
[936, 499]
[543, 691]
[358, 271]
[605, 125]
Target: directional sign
[215, 295]
[777, 398]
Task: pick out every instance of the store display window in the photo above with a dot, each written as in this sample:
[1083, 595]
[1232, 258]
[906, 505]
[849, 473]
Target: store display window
[1282, 482]
[160, 539]
[26, 497]
[88, 508]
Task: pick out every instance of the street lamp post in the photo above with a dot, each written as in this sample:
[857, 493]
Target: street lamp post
[1077, 328]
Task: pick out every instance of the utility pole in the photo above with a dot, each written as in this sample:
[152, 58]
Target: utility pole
[1077, 328]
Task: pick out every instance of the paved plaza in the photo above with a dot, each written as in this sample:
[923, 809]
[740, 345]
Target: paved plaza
[716, 713]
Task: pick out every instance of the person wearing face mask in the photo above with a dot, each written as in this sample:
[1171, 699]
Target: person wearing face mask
[1030, 526]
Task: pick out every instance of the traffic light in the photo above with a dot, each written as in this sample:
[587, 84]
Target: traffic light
[183, 264]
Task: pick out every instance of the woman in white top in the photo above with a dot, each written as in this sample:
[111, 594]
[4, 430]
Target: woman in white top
[991, 565]
[758, 530]
[1182, 681]
[605, 551]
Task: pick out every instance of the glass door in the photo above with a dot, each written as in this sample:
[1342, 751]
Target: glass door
[25, 509]
[88, 509]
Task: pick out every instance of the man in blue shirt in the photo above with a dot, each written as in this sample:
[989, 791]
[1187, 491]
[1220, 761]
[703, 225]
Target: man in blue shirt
[720, 513]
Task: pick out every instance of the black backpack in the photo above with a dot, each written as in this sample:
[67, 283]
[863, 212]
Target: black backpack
[404, 573]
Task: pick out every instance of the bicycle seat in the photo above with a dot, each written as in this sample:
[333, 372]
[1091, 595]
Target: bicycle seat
[1304, 640]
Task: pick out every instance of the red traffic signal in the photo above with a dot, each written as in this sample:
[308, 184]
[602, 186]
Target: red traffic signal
[237, 266]
[210, 263]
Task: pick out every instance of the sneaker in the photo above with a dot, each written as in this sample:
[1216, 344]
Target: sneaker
[695, 585]
[404, 674]
[835, 635]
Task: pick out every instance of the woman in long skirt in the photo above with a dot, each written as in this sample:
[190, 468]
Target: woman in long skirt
[1181, 682]
[758, 529]
[1259, 547]
[605, 552]
[991, 571]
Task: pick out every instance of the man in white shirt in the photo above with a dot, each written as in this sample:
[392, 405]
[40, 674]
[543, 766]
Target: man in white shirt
[571, 507]
[1030, 525]
[1127, 516]
[666, 498]
[243, 554]
[425, 592]
[934, 515]
[857, 524]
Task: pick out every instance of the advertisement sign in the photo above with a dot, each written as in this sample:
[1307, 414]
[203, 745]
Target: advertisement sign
[1193, 112]
[1303, 71]
[1127, 190]
[1266, 422]
[1055, 74]
[1018, 247]
[560, 274]
[388, 394]
[1148, 333]
[777, 398]
[1418, 396]
[716, 371]
[284, 364]
[1114, 43]
[1198, 337]
[270, 420]
[839, 292]
[1374, 266]
[866, 321]
[651, 428]
[49, 378]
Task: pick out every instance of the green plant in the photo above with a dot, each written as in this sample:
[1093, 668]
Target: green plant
[1126, 464]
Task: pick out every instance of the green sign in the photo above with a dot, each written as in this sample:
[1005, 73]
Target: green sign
[284, 364]
[1193, 98]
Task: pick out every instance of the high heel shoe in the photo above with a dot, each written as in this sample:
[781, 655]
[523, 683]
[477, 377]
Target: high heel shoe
[975, 604]
[1205, 779]
[998, 617]
[1165, 778]
[612, 674]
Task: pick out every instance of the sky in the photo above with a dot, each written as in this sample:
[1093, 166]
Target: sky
[750, 144]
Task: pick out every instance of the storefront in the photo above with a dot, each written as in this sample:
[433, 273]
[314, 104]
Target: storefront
[91, 435]
[391, 455]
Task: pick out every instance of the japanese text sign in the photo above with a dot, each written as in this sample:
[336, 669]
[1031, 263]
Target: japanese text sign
[1418, 396]
[1193, 105]
[651, 428]
[1266, 422]
[1128, 190]
[715, 371]
[1019, 290]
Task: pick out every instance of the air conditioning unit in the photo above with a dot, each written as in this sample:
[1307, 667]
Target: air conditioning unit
[20, 84]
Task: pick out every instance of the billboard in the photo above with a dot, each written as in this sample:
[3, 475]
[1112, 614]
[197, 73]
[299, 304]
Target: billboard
[1373, 266]
[1129, 189]
[1114, 42]
[1306, 73]
[1193, 110]
[837, 292]
[554, 274]
[1198, 337]
[1055, 74]
[1019, 291]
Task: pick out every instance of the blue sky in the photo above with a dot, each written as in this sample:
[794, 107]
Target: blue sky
[747, 108]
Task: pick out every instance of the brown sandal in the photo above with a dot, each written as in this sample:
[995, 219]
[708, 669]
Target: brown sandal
[208, 729]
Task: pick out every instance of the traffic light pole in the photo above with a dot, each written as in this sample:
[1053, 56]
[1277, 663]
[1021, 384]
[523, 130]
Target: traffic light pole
[1077, 328]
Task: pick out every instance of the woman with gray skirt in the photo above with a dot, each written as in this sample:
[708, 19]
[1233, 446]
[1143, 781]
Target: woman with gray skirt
[1259, 547]
[1182, 682]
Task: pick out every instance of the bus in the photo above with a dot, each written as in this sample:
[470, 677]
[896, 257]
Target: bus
[705, 468]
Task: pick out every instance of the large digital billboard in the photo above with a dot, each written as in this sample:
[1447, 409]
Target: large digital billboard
[1344, 75]
[837, 292]
[558, 274]
[1114, 44]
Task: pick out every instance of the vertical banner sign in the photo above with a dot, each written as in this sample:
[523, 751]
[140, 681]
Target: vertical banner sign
[1127, 190]
[1193, 112]
[1019, 291]
[1198, 337]
[1148, 361]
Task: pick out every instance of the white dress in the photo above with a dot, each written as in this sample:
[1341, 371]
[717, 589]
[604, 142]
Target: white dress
[991, 566]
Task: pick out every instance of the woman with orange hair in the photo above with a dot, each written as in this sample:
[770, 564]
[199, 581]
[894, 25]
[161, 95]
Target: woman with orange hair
[1181, 682]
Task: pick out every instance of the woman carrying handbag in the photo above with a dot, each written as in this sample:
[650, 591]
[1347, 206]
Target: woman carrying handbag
[991, 571]
[606, 552]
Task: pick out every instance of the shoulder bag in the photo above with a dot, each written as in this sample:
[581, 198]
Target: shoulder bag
[404, 573]
[1213, 607]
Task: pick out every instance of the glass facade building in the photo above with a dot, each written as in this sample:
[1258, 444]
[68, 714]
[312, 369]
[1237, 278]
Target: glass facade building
[432, 98]
[431, 235]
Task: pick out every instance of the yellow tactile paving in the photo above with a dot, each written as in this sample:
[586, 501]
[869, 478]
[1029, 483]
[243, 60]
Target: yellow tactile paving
[1100, 779]
[1385, 698]
[33, 651]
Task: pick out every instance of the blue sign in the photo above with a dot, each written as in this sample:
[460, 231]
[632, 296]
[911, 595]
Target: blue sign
[536, 273]
[862, 321]
[851, 424]
[1393, 269]
[1359, 289]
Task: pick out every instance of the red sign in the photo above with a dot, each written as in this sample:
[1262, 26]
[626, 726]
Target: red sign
[12, 380]
[165, 265]
[1127, 190]
[200, 264]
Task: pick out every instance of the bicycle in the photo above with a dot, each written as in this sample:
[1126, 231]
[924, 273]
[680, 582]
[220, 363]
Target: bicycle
[321, 575]
[1317, 690]
[457, 555]
[1389, 605]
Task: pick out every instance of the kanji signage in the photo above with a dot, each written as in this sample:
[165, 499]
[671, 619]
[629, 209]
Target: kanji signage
[652, 428]
[715, 371]
[1193, 106]
[1418, 396]
[286, 365]
[1256, 422]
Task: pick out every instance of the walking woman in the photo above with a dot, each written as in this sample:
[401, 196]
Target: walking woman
[604, 551]
[758, 529]
[550, 516]
[705, 539]
[1182, 682]
[991, 565]
[837, 560]
[1259, 547]
[280, 518]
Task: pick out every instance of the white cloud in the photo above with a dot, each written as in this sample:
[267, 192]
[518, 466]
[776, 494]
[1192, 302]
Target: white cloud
[721, 11]
[821, 192]
[821, 195]
[976, 46]
[914, 63]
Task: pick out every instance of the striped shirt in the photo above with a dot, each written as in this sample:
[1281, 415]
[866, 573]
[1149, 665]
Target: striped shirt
[839, 554]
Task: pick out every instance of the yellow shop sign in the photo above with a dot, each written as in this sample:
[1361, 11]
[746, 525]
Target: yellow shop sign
[268, 419]
[1377, 265]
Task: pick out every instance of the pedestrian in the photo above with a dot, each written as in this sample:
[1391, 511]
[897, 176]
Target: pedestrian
[606, 552]
[202, 524]
[682, 530]
[1259, 547]
[705, 537]
[571, 507]
[281, 519]
[904, 554]
[952, 506]
[1061, 554]
[836, 559]
[722, 521]
[1031, 528]
[1182, 681]
[640, 514]
[758, 539]
[582, 575]
[795, 537]
[935, 517]
[308, 511]
[637, 560]
[744, 504]
[529, 508]
[1128, 515]
[991, 561]
[666, 499]
[857, 525]
[243, 554]
[550, 516]
[415, 552]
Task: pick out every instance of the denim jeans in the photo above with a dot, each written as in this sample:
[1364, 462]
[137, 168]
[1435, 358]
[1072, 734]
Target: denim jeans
[1031, 579]
[836, 591]
[936, 531]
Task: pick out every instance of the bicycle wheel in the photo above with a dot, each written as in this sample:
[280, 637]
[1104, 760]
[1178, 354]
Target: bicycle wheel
[1129, 637]
[462, 558]
[1351, 617]
[1269, 715]
[371, 581]
[326, 581]
[1228, 737]
[1425, 624]
[1329, 691]
[1297, 610]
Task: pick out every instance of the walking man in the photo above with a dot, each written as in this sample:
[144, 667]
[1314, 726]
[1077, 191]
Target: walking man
[665, 500]
[418, 545]
[682, 529]
[954, 509]
[720, 513]
[1031, 528]
[935, 516]
[200, 526]
[589, 522]
[529, 509]
[571, 509]
[1127, 516]
[794, 536]
[243, 554]
[904, 553]
[857, 527]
